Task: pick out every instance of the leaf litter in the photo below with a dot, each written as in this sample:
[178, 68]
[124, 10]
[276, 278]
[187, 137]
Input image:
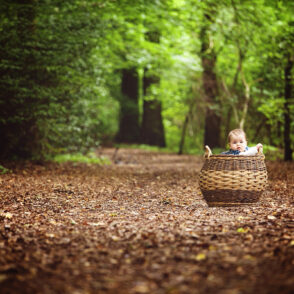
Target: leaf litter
[140, 226]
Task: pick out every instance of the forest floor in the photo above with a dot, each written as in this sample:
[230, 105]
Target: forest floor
[140, 225]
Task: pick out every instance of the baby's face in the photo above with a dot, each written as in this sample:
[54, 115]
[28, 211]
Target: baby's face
[238, 143]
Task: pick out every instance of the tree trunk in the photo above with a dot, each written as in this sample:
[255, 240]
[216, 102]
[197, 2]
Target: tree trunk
[208, 58]
[258, 129]
[185, 125]
[246, 102]
[182, 142]
[287, 119]
[129, 130]
[152, 130]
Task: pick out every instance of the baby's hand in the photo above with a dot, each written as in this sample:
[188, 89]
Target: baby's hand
[259, 147]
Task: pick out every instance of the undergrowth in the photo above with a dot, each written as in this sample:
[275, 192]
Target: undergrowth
[83, 158]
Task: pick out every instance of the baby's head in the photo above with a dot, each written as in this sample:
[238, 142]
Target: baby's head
[237, 140]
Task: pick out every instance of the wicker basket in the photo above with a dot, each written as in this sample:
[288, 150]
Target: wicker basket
[231, 180]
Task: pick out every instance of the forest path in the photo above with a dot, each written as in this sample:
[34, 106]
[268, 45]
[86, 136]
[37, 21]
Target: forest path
[140, 225]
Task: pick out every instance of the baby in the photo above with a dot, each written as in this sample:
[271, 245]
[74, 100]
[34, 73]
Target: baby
[238, 144]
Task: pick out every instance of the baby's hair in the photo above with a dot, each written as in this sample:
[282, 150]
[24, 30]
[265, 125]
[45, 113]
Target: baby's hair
[236, 132]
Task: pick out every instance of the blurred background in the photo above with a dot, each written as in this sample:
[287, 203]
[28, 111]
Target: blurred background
[173, 74]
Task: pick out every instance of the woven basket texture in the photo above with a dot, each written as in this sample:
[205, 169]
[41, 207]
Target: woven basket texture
[226, 180]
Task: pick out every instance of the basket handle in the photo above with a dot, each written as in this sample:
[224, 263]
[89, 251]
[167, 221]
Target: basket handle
[260, 149]
[208, 152]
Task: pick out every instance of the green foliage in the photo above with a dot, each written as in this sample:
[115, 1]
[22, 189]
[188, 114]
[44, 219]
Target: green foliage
[90, 158]
[58, 100]
[272, 108]
[145, 147]
[4, 170]
[61, 64]
[272, 152]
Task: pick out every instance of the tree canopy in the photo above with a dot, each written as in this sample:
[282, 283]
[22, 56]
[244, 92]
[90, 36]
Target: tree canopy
[63, 67]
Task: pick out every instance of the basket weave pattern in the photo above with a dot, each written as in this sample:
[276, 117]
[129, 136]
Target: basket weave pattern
[227, 180]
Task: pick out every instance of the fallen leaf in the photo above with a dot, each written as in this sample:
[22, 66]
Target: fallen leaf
[242, 230]
[73, 222]
[49, 235]
[3, 277]
[8, 215]
[249, 257]
[99, 224]
[141, 288]
[200, 256]
[52, 222]
[115, 238]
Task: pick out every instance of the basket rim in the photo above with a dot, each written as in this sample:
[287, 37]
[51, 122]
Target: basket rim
[229, 156]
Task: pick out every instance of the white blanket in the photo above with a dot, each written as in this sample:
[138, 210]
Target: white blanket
[250, 152]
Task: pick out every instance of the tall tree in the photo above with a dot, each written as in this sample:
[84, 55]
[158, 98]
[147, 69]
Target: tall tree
[129, 129]
[287, 118]
[210, 84]
[152, 130]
